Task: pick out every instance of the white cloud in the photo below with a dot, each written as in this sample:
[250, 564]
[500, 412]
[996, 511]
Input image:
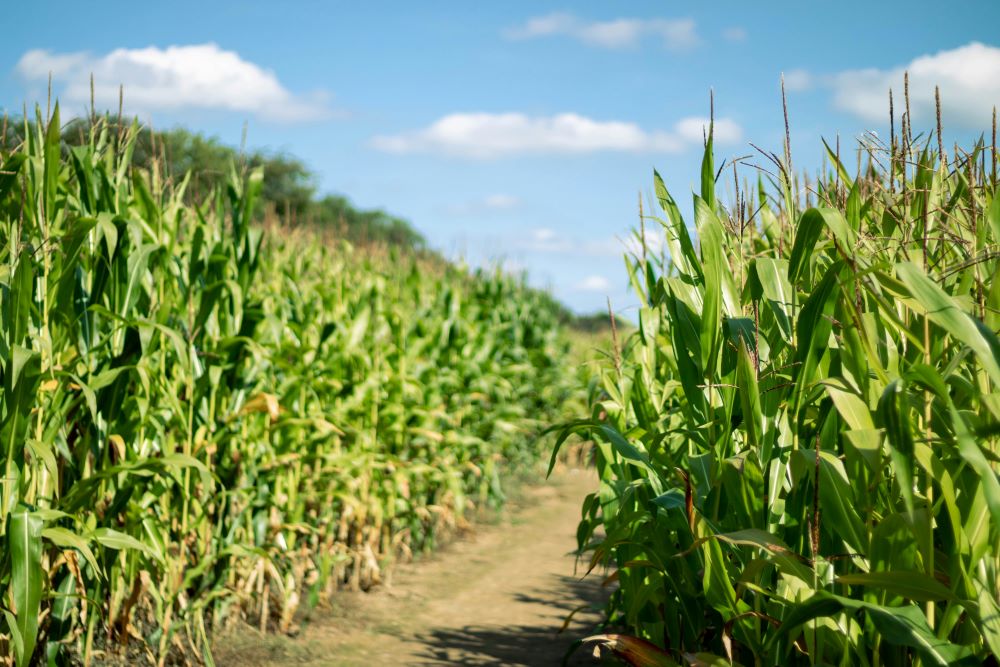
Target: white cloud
[594, 283]
[798, 80]
[735, 34]
[201, 76]
[548, 241]
[489, 135]
[501, 202]
[675, 34]
[969, 78]
[693, 130]
[494, 203]
[543, 240]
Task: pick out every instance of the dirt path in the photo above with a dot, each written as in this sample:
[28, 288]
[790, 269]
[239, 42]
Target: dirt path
[498, 597]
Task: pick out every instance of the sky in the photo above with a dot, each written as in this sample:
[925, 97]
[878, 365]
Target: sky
[519, 132]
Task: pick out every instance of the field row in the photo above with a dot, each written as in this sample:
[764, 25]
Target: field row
[205, 419]
[798, 446]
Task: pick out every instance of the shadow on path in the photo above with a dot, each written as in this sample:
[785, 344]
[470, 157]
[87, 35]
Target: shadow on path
[498, 596]
[528, 645]
[517, 645]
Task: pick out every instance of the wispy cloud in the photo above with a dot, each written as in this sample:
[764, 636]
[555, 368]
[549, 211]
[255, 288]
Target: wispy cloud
[490, 135]
[969, 78]
[202, 76]
[494, 203]
[674, 34]
[735, 34]
[594, 283]
[798, 80]
[501, 202]
[543, 240]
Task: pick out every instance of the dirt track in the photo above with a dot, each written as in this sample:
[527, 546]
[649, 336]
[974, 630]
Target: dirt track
[497, 597]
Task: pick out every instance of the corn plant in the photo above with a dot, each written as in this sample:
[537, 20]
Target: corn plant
[206, 419]
[798, 445]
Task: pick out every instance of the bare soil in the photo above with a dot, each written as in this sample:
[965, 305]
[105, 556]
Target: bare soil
[498, 596]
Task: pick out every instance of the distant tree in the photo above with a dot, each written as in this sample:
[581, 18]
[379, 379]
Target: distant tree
[598, 322]
[375, 226]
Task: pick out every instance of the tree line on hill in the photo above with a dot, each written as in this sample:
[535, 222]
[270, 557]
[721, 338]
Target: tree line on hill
[290, 191]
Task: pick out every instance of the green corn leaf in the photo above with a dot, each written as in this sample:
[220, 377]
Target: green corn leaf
[67, 539]
[837, 502]
[850, 406]
[16, 640]
[807, 233]
[853, 209]
[17, 307]
[24, 533]
[839, 166]
[679, 243]
[942, 476]
[945, 313]
[671, 500]
[53, 140]
[993, 216]
[915, 586]
[115, 539]
[772, 274]
[708, 170]
[62, 610]
[901, 626]
[719, 591]
[813, 329]
[714, 263]
[777, 552]
[894, 417]
[989, 615]
[746, 379]
[969, 449]
[618, 442]
[9, 170]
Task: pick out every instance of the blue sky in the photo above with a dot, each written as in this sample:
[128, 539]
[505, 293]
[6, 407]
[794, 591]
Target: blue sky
[514, 131]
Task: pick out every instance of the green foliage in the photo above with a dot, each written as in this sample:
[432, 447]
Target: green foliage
[202, 420]
[798, 450]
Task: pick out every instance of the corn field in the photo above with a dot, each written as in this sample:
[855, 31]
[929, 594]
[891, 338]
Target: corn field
[206, 419]
[798, 446]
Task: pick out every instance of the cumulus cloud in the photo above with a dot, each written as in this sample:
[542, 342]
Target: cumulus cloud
[202, 76]
[594, 283]
[674, 34]
[490, 135]
[969, 78]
